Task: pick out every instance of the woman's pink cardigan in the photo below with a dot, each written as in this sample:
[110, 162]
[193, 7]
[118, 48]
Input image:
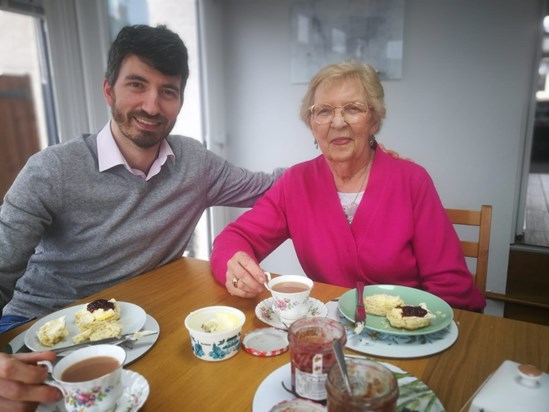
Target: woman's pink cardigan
[400, 234]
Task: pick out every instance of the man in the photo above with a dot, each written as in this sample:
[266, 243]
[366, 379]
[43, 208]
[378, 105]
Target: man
[100, 209]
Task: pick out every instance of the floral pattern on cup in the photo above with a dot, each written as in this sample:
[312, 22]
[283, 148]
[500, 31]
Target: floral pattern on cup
[268, 312]
[86, 399]
[290, 295]
[286, 304]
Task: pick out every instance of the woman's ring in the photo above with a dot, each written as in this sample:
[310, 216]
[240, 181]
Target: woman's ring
[235, 282]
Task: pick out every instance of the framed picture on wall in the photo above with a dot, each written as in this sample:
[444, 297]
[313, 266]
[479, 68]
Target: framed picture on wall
[328, 31]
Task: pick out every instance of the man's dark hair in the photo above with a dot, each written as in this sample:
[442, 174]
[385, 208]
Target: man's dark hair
[157, 46]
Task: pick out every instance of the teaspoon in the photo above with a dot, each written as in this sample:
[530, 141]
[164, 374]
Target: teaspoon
[340, 357]
[266, 283]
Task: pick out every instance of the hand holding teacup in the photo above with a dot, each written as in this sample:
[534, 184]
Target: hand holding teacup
[244, 277]
[21, 379]
[89, 378]
[290, 295]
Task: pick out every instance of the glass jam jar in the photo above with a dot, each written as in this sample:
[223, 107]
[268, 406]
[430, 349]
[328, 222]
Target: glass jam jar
[312, 354]
[374, 388]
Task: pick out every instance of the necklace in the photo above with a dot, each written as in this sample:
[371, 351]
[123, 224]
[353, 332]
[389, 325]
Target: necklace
[350, 208]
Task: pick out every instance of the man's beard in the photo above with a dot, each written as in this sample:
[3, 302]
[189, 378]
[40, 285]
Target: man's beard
[141, 138]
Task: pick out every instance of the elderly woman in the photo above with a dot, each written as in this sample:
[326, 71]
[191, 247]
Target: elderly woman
[353, 213]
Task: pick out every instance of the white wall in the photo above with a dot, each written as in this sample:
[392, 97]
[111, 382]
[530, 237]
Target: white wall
[460, 109]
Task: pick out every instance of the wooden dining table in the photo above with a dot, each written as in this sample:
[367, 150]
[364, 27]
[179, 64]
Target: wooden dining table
[179, 381]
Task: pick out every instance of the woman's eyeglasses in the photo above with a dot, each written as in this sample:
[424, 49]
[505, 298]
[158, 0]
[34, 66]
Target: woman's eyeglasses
[351, 112]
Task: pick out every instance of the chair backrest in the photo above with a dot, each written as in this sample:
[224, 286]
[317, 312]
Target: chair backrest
[479, 249]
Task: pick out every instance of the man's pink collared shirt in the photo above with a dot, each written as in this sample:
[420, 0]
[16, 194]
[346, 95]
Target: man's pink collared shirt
[109, 155]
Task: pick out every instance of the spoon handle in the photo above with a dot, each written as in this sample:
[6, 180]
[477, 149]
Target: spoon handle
[340, 357]
[268, 278]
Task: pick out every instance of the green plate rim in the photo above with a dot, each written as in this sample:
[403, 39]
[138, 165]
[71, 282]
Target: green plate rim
[411, 296]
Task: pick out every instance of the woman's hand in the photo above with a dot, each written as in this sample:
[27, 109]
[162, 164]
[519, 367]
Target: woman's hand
[22, 381]
[244, 276]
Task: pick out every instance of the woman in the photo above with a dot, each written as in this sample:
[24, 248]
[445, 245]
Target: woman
[353, 213]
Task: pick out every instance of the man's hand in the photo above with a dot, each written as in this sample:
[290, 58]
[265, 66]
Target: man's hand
[22, 381]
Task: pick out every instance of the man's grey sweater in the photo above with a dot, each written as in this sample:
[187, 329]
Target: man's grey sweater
[67, 230]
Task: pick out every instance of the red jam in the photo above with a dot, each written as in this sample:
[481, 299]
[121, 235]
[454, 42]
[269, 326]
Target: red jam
[99, 304]
[417, 311]
[312, 354]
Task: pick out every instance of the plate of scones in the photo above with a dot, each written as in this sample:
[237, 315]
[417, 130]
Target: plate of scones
[398, 310]
[92, 321]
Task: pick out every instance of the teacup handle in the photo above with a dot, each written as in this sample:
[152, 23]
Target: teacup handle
[50, 381]
[266, 284]
[47, 364]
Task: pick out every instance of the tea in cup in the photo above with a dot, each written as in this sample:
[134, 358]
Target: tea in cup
[89, 378]
[290, 295]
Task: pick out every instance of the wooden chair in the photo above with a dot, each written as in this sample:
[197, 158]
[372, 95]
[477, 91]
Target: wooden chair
[476, 249]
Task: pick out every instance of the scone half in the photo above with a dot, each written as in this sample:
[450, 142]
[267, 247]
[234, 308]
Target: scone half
[410, 317]
[380, 304]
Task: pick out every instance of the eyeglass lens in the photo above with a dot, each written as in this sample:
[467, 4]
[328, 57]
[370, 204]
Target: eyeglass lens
[351, 112]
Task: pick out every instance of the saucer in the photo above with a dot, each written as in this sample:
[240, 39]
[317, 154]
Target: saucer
[136, 391]
[264, 311]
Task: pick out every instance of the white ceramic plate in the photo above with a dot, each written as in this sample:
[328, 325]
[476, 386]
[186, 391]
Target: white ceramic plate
[398, 346]
[443, 312]
[132, 319]
[414, 395]
[136, 392]
[139, 348]
[264, 311]
[144, 344]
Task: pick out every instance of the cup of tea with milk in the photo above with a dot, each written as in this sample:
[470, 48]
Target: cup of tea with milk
[290, 295]
[89, 378]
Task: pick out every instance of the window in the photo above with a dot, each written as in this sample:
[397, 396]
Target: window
[26, 106]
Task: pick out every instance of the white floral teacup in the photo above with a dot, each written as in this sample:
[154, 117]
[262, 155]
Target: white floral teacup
[99, 385]
[290, 295]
